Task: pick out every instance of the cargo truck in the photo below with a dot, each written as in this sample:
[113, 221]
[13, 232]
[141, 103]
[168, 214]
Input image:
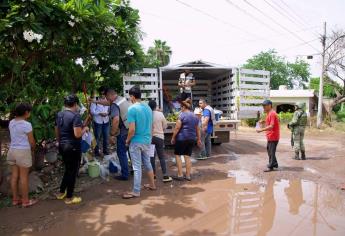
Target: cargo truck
[236, 92]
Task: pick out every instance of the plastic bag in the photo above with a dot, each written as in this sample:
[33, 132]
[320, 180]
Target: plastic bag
[104, 171]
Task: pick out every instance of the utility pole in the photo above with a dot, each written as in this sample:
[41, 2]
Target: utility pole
[320, 102]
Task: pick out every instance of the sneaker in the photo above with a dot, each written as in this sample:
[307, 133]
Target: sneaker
[74, 200]
[201, 157]
[167, 179]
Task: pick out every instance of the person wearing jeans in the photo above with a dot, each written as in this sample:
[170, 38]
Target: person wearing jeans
[69, 130]
[100, 114]
[207, 129]
[140, 155]
[101, 130]
[118, 130]
[272, 129]
[139, 118]
[159, 124]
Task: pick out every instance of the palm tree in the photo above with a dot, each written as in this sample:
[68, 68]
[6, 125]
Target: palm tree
[159, 54]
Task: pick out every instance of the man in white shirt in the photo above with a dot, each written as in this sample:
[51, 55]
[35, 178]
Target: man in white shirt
[185, 83]
[101, 127]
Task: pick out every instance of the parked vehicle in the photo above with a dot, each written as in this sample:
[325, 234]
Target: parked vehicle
[226, 89]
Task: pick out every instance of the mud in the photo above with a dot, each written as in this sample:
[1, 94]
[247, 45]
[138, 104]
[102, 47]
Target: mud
[229, 195]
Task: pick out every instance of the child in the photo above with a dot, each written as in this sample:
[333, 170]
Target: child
[19, 155]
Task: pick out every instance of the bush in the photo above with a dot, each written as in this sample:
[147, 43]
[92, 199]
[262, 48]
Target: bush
[341, 116]
[250, 122]
[285, 117]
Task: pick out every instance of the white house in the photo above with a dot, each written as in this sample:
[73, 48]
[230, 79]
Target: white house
[284, 99]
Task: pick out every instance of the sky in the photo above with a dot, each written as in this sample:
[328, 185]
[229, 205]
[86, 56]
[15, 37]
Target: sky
[229, 32]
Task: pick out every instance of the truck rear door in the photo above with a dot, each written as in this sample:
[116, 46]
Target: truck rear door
[253, 87]
[147, 80]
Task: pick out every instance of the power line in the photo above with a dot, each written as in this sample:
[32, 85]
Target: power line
[287, 10]
[250, 15]
[296, 16]
[278, 36]
[216, 18]
[299, 45]
[277, 23]
[281, 12]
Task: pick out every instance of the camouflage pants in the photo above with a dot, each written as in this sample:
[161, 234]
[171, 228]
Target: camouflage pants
[298, 138]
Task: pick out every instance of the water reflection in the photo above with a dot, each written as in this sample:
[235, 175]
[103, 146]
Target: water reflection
[268, 209]
[294, 195]
[303, 207]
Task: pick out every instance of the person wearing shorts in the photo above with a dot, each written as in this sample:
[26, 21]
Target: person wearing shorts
[19, 155]
[185, 134]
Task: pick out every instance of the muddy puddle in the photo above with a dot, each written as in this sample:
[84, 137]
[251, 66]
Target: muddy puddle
[218, 203]
[284, 207]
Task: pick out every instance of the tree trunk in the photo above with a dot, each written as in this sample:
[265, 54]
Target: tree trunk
[338, 100]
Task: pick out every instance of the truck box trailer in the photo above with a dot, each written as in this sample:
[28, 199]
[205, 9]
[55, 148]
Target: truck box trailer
[221, 86]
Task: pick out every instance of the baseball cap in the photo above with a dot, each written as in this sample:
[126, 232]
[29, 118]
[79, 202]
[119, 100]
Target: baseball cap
[267, 102]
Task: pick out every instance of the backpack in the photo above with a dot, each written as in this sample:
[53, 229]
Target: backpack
[122, 104]
[213, 115]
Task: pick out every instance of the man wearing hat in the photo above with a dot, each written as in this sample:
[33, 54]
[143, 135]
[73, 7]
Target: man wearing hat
[297, 126]
[272, 130]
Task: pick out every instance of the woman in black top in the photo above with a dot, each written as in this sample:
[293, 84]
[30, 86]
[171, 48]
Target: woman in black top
[69, 130]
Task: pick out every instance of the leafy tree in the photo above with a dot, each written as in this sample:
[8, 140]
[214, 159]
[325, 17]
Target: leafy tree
[328, 86]
[158, 55]
[53, 47]
[282, 72]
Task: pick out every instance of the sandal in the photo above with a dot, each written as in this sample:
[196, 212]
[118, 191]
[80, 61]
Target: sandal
[178, 178]
[29, 203]
[61, 196]
[130, 195]
[16, 202]
[188, 178]
[73, 200]
[149, 187]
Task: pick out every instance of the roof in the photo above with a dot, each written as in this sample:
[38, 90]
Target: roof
[202, 70]
[196, 64]
[299, 93]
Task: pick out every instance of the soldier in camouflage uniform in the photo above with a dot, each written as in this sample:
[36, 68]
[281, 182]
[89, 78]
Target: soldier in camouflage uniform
[297, 126]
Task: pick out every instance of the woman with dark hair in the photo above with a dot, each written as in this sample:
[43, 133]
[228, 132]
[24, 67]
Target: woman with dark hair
[158, 126]
[184, 136]
[19, 155]
[69, 131]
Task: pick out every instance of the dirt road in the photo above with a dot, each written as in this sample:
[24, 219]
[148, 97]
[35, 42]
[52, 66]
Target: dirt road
[229, 195]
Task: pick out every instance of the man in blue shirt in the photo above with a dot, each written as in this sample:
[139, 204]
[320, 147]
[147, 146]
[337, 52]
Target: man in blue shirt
[139, 118]
[207, 129]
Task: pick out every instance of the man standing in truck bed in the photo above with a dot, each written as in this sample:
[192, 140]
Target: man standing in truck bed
[185, 83]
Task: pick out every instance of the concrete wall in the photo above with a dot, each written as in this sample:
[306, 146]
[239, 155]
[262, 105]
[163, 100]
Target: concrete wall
[292, 101]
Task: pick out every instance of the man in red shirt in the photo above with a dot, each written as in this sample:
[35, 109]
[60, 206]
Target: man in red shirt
[272, 133]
